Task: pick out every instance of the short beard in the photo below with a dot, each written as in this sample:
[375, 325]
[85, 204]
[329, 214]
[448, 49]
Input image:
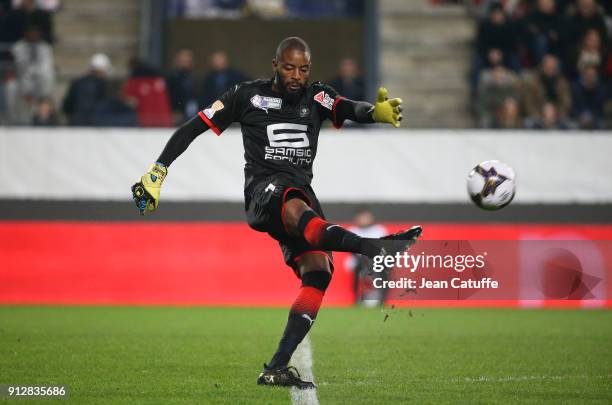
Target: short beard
[291, 97]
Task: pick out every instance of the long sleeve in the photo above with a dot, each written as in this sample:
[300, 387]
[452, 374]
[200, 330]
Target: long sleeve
[358, 111]
[181, 139]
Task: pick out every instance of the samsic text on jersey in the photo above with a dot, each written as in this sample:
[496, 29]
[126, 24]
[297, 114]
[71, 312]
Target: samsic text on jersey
[279, 138]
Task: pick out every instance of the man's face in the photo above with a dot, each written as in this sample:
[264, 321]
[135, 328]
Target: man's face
[291, 72]
[184, 60]
[587, 8]
[546, 6]
[592, 39]
[219, 61]
[348, 69]
[364, 219]
[549, 66]
[498, 17]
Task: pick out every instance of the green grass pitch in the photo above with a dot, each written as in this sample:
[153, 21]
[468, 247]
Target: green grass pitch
[171, 355]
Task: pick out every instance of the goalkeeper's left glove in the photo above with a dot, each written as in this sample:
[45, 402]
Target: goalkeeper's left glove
[146, 192]
[385, 110]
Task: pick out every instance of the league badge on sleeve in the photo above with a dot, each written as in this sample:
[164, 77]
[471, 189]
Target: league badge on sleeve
[324, 99]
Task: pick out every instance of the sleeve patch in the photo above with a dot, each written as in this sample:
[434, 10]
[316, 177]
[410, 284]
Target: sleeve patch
[324, 99]
[216, 106]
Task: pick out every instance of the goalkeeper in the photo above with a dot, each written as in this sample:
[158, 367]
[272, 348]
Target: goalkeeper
[280, 120]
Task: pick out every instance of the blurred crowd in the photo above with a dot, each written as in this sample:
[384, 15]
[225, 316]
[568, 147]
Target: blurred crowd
[539, 64]
[263, 8]
[148, 97]
[543, 64]
[27, 72]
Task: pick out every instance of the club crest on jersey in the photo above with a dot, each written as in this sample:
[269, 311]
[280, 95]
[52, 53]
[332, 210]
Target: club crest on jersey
[265, 103]
[216, 106]
[304, 111]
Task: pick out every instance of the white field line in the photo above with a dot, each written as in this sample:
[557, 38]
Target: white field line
[302, 360]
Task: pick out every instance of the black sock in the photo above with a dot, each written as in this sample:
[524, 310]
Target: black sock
[301, 316]
[295, 331]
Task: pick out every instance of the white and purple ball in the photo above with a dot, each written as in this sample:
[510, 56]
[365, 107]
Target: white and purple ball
[491, 185]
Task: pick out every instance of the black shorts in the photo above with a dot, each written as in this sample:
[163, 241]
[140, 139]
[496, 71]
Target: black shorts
[264, 205]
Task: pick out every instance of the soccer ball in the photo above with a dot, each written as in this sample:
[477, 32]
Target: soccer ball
[491, 185]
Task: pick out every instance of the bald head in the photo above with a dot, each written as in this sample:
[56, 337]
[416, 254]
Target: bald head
[291, 67]
[292, 43]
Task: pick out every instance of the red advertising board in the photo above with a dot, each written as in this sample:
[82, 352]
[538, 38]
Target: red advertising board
[211, 263]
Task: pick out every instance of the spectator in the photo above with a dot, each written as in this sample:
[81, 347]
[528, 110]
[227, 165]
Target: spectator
[115, 111]
[545, 31]
[589, 97]
[498, 32]
[7, 75]
[548, 119]
[324, 8]
[49, 5]
[496, 85]
[590, 52]
[45, 114]
[5, 6]
[34, 69]
[17, 21]
[182, 86]
[547, 85]
[87, 91]
[265, 9]
[220, 79]
[9, 111]
[587, 16]
[349, 83]
[7, 37]
[146, 91]
[364, 225]
[496, 36]
[204, 8]
[509, 115]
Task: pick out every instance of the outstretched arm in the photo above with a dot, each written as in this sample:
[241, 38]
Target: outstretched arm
[218, 116]
[385, 110]
[146, 192]
[358, 111]
[181, 139]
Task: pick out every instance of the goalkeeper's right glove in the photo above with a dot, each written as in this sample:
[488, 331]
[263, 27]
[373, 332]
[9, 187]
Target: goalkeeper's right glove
[146, 192]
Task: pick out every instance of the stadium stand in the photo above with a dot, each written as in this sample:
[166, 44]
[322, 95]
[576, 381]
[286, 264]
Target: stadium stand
[425, 53]
[441, 56]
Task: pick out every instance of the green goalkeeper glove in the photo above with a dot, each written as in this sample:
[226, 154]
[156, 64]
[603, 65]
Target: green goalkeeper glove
[386, 110]
[146, 192]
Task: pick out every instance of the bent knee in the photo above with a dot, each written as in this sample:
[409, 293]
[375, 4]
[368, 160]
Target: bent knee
[292, 212]
[314, 262]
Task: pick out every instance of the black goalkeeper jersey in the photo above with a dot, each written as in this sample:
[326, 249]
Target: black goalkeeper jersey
[280, 139]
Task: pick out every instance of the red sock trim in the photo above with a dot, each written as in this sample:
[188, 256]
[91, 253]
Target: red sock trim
[314, 231]
[308, 302]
